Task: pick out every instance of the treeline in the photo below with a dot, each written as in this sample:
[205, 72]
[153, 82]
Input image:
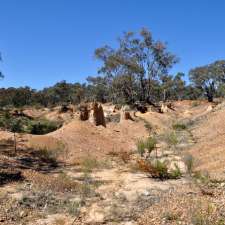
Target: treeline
[137, 70]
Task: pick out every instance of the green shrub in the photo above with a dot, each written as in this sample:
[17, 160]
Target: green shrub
[42, 127]
[140, 147]
[195, 104]
[175, 173]
[88, 164]
[189, 162]
[150, 144]
[179, 126]
[160, 170]
[202, 177]
[171, 138]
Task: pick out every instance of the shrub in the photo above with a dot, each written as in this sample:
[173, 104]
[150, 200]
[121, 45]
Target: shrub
[189, 162]
[150, 144]
[160, 170]
[43, 127]
[144, 166]
[202, 177]
[179, 126]
[171, 138]
[195, 104]
[88, 164]
[140, 147]
[175, 173]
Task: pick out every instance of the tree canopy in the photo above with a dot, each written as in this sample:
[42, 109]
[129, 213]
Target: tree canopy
[135, 66]
[209, 78]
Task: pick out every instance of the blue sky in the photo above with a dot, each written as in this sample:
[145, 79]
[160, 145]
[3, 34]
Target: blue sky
[45, 41]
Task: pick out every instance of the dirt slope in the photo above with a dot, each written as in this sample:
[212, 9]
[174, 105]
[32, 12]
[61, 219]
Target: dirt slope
[209, 133]
[84, 139]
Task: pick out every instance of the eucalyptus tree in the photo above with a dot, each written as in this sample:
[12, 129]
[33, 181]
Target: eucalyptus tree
[209, 78]
[135, 65]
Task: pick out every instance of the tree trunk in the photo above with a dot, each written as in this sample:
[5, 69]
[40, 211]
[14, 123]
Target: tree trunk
[210, 97]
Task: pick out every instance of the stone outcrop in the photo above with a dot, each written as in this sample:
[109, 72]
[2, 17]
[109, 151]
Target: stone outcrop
[125, 113]
[84, 112]
[97, 115]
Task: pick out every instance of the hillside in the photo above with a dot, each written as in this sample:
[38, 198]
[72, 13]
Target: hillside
[87, 174]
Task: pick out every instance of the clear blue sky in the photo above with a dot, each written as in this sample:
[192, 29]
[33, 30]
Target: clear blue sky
[45, 41]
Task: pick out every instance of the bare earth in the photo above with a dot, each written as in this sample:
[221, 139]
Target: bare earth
[96, 179]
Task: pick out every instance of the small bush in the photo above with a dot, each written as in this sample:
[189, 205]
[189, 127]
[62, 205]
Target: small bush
[73, 208]
[48, 155]
[144, 166]
[195, 104]
[141, 147]
[175, 173]
[43, 127]
[160, 170]
[189, 162]
[60, 183]
[88, 164]
[170, 216]
[171, 138]
[202, 177]
[179, 126]
[150, 144]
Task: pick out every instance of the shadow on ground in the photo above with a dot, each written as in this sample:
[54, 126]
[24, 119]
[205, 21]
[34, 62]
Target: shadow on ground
[11, 162]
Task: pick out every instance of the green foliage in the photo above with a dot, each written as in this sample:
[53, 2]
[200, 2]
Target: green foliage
[195, 103]
[42, 127]
[11, 123]
[130, 70]
[202, 177]
[160, 170]
[171, 138]
[88, 164]
[208, 78]
[175, 173]
[179, 126]
[189, 162]
[140, 147]
[26, 125]
[150, 144]
[16, 126]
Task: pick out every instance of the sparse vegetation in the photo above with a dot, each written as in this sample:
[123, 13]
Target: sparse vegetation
[171, 138]
[89, 163]
[189, 162]
[176, 173]
[140, 147]
[148, 144]
[179, 126]
[158, 169]
[42, 127]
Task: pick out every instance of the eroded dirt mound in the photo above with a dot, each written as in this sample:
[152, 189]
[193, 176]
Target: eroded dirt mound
[83, 138]
[209, 133]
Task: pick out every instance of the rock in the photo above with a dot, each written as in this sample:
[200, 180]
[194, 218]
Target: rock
[164, 108]
[125, 114]
[97, 115]
[141, 107]
[84, 112]
[23, 214]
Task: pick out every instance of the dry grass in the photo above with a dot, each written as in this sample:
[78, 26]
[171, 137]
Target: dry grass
[60, 183]
[59, 221]
[180, 208]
